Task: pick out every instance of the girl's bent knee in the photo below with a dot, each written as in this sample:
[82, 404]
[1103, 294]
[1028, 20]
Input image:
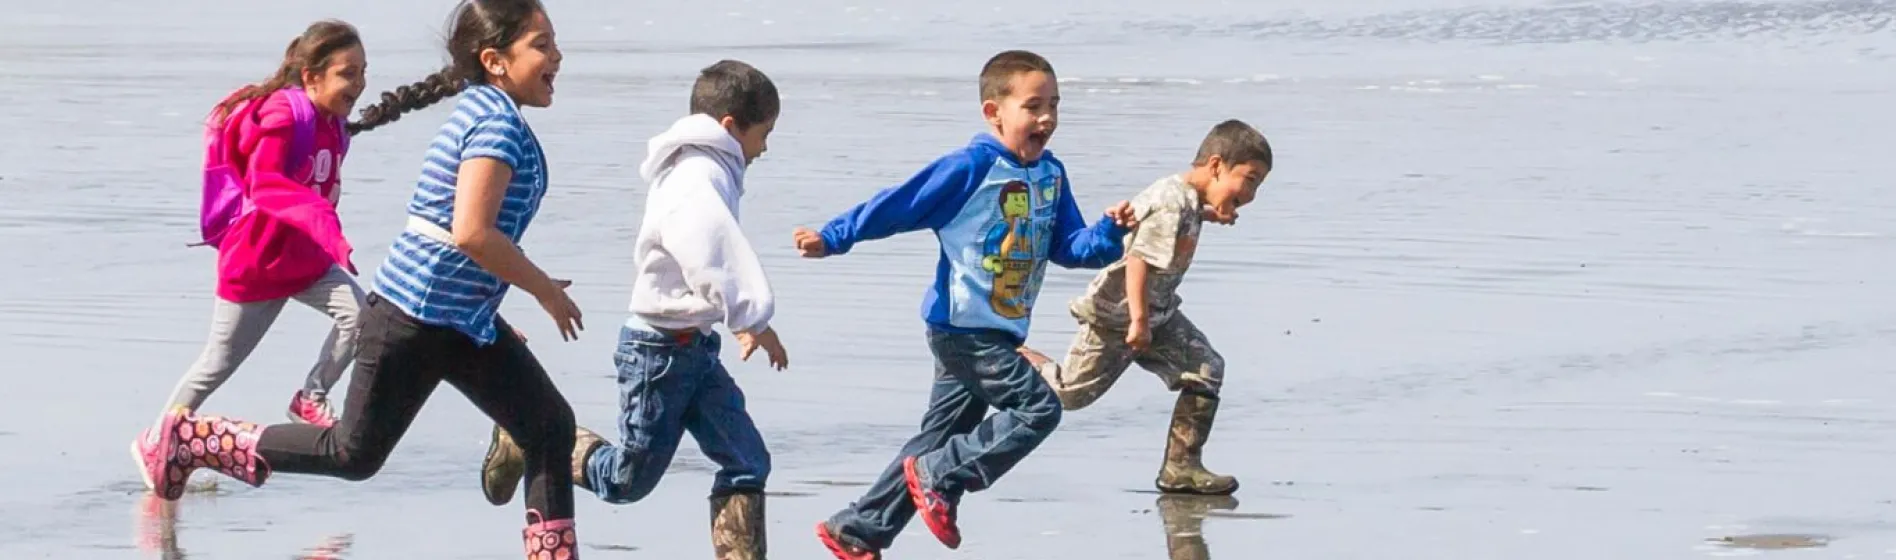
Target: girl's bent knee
[357, 467]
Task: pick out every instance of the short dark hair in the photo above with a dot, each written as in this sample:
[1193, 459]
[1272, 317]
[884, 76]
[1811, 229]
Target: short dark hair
[735, 89]
[1236, 143]
[1001, 69]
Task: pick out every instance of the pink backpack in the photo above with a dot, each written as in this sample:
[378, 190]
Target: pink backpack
[224, 197]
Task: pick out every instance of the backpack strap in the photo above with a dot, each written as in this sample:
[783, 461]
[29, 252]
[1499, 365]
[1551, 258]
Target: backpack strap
[303, 123]
[342, 124]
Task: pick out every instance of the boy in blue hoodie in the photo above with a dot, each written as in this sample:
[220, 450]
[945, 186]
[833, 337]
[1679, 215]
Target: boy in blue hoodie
[1001, 208]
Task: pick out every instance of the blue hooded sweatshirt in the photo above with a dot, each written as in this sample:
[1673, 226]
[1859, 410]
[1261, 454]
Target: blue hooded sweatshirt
[998, 221]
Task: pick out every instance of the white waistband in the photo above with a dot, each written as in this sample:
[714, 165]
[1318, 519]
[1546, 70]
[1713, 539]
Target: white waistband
[421, 226]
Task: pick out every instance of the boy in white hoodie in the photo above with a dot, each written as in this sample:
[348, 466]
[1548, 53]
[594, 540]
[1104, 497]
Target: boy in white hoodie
[695, 269]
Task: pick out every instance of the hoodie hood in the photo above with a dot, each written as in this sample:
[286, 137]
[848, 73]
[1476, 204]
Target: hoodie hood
[695, 133]
[989, 141]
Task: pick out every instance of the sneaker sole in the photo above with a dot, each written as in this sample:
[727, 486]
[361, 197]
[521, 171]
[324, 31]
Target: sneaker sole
[295, 419]
[138, 457]
[948, 535]
[829, 541]
[166, 441]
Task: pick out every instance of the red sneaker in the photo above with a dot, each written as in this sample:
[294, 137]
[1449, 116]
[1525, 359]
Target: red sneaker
[936, 512]
[307, 409]
[842, 550]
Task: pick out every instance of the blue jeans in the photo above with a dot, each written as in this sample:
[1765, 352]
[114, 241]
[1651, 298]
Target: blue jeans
[960, 448]
[669, 385]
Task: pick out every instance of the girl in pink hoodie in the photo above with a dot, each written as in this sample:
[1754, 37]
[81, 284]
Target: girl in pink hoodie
[288, 244]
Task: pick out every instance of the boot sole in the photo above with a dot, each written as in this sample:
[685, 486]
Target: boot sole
[1190, 491]
[495, 495]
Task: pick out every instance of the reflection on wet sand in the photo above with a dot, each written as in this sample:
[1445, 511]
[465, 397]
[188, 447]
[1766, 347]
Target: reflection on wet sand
[332, 548]
[1184, 519]
[1773, 541]
[156, 533]
[156, 527]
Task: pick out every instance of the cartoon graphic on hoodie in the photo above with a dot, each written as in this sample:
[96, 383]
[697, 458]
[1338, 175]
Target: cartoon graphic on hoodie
[695, 266]
[995, 243]
[1007, 252]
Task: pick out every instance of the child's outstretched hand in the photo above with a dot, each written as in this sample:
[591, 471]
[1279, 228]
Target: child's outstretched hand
[809, 243]
[1123, 215]
[561, 308]
[749, 342]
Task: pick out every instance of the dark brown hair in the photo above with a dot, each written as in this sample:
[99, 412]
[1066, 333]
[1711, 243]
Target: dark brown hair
[1002, 68]
[1236, 143]
[736, 89]
[476, 25]
[310, 51]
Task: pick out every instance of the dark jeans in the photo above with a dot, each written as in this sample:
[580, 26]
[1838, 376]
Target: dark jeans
[959, 450]
[398, 364]
[669, 385]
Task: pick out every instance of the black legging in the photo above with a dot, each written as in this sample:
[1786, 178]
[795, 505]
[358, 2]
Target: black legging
[399, 361]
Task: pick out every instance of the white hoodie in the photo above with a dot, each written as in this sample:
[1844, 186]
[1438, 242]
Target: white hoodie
[695, 267]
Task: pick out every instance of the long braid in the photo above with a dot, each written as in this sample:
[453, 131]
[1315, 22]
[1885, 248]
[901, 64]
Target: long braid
[412, 97]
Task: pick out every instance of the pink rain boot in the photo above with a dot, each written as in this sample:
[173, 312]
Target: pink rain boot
[550, 540]
[185, 443]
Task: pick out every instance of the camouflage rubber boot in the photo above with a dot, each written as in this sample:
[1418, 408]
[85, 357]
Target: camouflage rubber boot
[1183, 472]
[737, 526]
[584, 443]
[502, 469]
[1184, 520]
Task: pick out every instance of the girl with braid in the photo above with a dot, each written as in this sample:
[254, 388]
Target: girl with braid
[431, 317]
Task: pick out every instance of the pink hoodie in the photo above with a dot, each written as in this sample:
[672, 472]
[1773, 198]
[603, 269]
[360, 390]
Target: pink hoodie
[294, 235]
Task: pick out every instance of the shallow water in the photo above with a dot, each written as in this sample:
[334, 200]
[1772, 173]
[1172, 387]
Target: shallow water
[1533, 280]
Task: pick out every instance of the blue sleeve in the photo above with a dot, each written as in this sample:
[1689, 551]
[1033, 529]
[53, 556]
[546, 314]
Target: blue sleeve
[1077, 245]
[927, 200]
[495, 137]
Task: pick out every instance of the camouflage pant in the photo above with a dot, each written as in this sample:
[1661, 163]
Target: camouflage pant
[1179, 355]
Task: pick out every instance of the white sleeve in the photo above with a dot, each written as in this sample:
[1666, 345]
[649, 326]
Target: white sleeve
[716, 259]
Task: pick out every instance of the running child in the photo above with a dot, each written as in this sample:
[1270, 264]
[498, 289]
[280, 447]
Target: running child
[432, 315]
[1001, 208]
[1130, 313]
[695, 269]
[273, 162]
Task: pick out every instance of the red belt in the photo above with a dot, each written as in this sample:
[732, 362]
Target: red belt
[681, 336]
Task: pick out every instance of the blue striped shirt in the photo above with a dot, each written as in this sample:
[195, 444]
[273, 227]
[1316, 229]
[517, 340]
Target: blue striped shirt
[433, 281]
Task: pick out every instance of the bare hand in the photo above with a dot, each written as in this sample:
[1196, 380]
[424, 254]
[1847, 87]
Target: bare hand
[1033, 356]
[564, 312]
[748, 343]
[1123, 214]
[810, 244]
[1040, 362]
[1212, 215]
[522, 335]
[1139, 336]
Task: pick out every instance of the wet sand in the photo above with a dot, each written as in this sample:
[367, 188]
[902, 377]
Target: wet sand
[1531, 280]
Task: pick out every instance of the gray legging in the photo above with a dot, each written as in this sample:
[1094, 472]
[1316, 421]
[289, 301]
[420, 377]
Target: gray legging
[236, 328]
